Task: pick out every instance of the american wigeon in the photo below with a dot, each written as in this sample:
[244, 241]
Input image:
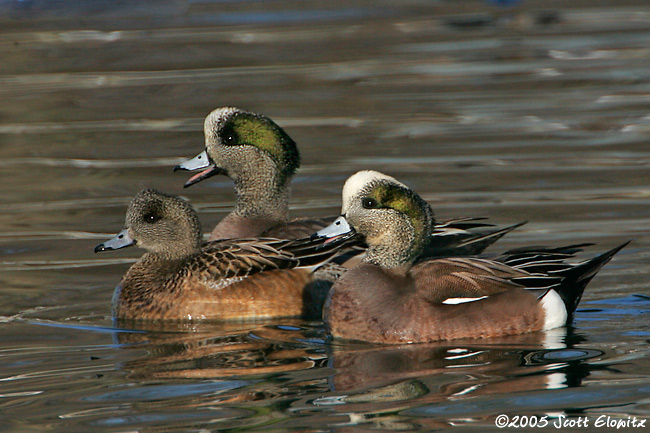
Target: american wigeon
[390, 299]
[261, 159]
[181, 278]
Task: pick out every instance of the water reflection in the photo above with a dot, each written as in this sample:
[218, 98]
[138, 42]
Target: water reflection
[252, 374]
[355, 377]
[464, 367]
[203, 351]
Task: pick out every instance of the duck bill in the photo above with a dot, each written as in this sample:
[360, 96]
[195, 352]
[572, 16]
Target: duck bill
[339, 231]
[120, 240]
[200, 161]
[209, 172]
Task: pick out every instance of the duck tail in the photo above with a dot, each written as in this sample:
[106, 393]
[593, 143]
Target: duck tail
[479, 243]
[314, 253]
[456, 238]
[576, 278]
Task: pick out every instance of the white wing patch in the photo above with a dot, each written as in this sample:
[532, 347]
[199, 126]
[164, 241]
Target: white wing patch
[455, 301]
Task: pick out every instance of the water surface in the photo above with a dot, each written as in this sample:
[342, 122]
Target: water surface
[512, 110]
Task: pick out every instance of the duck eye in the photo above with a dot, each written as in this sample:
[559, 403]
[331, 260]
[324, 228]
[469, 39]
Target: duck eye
[368, 203]
[151, 218]
[229, 137]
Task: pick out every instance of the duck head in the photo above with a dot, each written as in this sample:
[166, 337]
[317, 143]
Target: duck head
[393, 220]
[239, 143]
[159, 223]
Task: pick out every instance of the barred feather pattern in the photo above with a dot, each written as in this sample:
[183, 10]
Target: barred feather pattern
[229, 279]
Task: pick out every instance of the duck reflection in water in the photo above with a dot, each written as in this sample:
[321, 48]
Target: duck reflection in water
[219, 350]
[359, 367]
[375, 383]
[293, 357]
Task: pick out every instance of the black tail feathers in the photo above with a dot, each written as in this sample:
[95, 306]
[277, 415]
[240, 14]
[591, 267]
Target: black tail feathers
[576, 278]
[461, 240]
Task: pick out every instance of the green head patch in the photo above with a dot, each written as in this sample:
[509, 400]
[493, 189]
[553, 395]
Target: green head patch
[392, 196]
[248, 129]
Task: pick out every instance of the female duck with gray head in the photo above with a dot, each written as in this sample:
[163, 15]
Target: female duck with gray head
[181, 278]
[261, 159]
[389, 298]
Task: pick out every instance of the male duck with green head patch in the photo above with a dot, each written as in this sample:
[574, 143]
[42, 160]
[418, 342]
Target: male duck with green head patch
[394, 296]
[261, 159]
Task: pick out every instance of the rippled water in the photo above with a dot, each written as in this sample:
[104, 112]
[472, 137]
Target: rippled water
[512, 110]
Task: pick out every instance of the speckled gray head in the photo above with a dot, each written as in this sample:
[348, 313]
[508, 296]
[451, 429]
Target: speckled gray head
[238, 141]
[394, 220]
[372, 190]
[160, 223]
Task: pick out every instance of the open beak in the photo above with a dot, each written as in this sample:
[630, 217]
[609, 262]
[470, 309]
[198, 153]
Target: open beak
[200, 161]
[339, 231]
[120, 240]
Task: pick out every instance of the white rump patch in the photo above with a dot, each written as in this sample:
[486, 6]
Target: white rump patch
[358, 181]
[555, 314]
[455, 301]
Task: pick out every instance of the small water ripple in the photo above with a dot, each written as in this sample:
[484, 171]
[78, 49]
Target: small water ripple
[88, 163]
[39, 265]
[163, 392]
[167, 125]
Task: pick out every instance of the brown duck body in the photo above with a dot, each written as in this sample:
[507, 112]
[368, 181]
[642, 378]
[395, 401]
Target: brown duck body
[234, 226]
[383, 306]
[180, 278]
[156, 289]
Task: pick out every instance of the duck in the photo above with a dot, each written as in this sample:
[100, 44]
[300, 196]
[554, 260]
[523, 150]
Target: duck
[261, 159]
[182, 278]
[394, 296]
